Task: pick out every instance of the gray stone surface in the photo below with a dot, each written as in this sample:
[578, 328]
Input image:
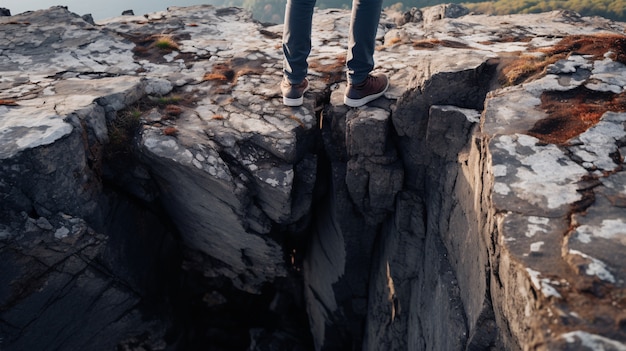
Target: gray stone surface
[66, 286]
[434, 218]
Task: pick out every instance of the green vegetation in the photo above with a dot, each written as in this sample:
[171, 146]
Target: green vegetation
[166, 43]
[122, 130]
[268, 11]
[611, 9]
[273, 11]
[165, 100]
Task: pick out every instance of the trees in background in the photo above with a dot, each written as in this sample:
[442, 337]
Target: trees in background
[612, 9]
[273, 11]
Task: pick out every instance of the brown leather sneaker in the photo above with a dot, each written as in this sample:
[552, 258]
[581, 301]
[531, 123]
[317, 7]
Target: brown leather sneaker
[373, 87]
[293, 93]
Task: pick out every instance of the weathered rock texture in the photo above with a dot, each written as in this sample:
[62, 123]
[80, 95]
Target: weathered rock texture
[155, 193]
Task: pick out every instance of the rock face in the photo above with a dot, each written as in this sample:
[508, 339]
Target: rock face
[156, 194]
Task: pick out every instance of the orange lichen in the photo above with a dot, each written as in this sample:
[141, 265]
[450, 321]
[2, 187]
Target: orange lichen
[432, 42]
[333, 72]
[8, 102]
[426, 43]
[572, 112]
[231, 70]
[245, 71]
[394, 40]
[389, 43]
[507, 39]
[298, 120]
[214, 76]
[220, 72]
[525, 67]
[171, 131]
[173, 110]
[597, 45]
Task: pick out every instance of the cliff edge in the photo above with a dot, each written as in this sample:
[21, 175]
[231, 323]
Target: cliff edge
[156, 194]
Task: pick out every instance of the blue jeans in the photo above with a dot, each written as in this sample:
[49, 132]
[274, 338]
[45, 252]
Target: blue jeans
[361, 39]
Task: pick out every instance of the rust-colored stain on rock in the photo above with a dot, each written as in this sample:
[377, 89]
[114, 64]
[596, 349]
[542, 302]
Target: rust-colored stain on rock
[527, 67]
[596, 45]
[571, 113]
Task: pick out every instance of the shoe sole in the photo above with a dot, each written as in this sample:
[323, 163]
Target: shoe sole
[362, 101]
[293, 102]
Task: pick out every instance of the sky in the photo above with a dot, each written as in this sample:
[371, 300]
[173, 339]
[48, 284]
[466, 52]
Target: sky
[100, 9]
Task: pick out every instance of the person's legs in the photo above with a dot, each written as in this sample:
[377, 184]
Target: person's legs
[363, 86]
[362, 39]
[297, 39]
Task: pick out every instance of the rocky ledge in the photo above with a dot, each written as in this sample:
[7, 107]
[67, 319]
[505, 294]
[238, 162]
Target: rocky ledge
[155, 193]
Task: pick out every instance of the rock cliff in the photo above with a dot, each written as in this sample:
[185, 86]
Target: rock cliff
[155, 194]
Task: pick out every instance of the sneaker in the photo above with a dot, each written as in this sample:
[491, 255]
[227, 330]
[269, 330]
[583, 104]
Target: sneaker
[293, 93]
[374, 86]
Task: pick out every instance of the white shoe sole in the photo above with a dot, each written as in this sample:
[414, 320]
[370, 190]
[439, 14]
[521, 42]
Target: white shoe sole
[293, 102]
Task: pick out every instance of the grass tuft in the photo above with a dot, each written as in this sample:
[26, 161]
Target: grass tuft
[167, 100]
[525, 67]
[122, 130]
[165, 43]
